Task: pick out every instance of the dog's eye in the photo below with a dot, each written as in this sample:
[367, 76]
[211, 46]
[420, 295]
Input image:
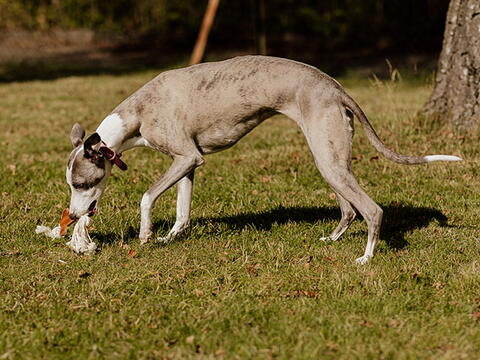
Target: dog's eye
[78, 186]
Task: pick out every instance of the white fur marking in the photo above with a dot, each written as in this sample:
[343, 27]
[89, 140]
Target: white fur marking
[69, 169]
[146, 201]
[431, 158]
[111, 131]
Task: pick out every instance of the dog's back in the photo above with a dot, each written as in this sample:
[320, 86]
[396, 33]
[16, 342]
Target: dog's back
[219, 102]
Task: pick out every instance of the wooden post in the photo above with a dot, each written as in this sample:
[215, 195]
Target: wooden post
[199, 49]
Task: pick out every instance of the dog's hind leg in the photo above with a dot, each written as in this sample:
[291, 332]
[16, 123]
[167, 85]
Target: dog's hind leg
[181, 167]
[329, 134]
[184, 201]
[348, 215]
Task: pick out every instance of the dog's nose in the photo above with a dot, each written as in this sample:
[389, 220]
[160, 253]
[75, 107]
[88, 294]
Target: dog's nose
[73, 217]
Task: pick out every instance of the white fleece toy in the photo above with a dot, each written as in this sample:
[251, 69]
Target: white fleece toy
[81, 243]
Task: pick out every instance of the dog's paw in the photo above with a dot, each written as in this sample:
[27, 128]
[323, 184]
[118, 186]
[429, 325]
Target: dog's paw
[145, 238]
[164, 240]
[328, 239]
[363, 259]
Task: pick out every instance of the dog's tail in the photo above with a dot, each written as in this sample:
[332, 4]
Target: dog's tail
[372, 136]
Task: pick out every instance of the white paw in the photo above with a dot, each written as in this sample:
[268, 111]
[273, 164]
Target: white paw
[363, 259]
[165, 240]
[145, 237]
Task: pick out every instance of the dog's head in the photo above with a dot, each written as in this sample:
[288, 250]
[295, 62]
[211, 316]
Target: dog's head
[87, 172]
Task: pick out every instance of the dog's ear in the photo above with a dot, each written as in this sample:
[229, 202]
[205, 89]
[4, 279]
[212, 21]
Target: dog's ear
[76, 135]
[91, 147]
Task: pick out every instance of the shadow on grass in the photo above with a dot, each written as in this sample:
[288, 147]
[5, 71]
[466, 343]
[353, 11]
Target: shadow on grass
[398, 220]
[82, 64]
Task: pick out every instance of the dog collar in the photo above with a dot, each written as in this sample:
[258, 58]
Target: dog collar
[113, 156]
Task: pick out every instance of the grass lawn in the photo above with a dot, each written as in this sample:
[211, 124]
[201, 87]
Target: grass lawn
[250, 279]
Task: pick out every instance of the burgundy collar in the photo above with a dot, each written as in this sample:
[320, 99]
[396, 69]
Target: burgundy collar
[113, 156]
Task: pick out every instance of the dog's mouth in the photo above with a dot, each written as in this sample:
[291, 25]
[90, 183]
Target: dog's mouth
[68, 219]
[92, 209]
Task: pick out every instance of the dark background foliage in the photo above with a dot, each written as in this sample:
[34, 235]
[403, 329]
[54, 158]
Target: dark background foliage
[407, 25]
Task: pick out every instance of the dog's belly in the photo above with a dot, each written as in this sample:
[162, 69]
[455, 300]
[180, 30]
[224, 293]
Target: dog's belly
[221, 135]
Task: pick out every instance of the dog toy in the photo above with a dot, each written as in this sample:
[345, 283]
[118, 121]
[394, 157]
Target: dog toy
[81, 243]
[65, 220]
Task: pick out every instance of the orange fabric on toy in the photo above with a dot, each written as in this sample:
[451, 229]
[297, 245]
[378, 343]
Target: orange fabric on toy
[65, 221]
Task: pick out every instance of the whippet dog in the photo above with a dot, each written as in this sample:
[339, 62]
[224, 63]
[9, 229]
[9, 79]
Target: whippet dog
[191, 112]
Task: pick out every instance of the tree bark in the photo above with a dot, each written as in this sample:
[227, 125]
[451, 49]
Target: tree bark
[456, 95]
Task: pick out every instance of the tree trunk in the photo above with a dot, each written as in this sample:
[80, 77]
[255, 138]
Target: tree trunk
[207, 23]
[456, 95]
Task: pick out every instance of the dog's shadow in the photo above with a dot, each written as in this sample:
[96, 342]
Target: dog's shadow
[398, 220]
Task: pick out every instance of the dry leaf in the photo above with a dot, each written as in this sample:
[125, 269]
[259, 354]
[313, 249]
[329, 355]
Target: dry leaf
[83, 274]
[300, 293]
[446, 347]
[266, 179]
[132, 253]
[310, 294]
[198, 292]
[190, 339]
[331, 346]
[366, 323]
[476, 315]
[10, 253]
[253, 269]
[13, 169]
[394, 323]
[220, 352]
[296, 156]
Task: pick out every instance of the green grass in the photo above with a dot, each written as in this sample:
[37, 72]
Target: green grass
[250, 279]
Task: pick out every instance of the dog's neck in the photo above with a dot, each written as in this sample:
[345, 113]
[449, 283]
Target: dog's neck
[112, 131]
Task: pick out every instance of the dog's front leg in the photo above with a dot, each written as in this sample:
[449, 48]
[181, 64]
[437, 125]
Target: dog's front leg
[181, 167]
[184, 201]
